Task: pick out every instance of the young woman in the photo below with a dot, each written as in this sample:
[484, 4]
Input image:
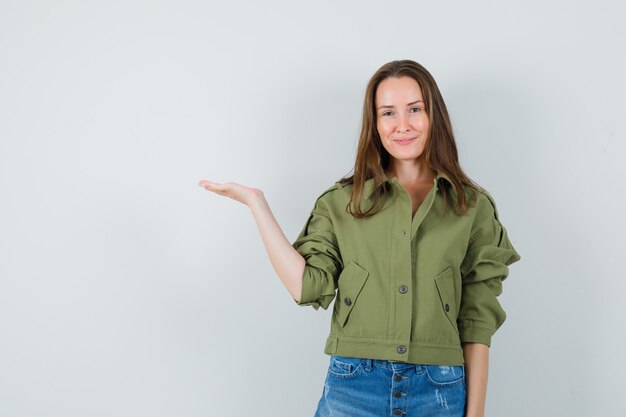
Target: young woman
[413, 253]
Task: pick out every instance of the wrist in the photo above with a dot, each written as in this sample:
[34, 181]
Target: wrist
[256, 199]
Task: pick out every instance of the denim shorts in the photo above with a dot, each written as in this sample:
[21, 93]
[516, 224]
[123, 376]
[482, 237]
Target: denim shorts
[357, 387]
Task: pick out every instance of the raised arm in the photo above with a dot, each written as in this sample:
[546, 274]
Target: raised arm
[288, 263]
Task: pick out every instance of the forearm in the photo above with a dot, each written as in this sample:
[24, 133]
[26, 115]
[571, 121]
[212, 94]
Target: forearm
[476, 374]
[287, 261]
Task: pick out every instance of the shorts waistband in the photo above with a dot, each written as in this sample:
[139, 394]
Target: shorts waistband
[396, 365]
[389, 364]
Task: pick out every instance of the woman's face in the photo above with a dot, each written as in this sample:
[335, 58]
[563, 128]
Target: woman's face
[401, 120]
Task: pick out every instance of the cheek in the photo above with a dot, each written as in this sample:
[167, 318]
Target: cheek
[422, 123]
[383, 128]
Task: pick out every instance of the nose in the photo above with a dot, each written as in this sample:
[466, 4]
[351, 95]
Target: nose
[403, 123]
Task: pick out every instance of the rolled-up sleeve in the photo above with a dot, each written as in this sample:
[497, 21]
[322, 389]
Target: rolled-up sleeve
[317, 243]
[485, 266]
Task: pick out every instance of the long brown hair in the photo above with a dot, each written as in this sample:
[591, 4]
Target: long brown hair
[440, 150]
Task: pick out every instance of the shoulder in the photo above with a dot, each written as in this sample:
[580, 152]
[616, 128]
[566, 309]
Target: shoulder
[330, 189]
[486, 204]
[481, 202]
[485, 219]
[329, 196]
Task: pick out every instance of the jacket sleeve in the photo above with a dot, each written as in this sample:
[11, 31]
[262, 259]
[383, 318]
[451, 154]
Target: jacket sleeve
[317, 243]
[483, 269]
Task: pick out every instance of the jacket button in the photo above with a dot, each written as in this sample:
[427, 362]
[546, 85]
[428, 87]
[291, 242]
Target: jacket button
[401, 349]
[397, 394]
[398, 412]
[403, 289]
[447, 307]
[347, 301]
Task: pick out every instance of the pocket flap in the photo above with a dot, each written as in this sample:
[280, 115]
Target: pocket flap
[445, 288]
[350, 283]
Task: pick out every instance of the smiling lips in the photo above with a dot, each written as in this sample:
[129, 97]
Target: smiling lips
[404, 141]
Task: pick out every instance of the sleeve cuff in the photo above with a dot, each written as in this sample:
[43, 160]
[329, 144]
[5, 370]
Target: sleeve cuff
[471, 332]
[310, 291]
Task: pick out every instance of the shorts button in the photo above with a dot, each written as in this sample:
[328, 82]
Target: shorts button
[398, 412]
[397, 394]
[398, 377]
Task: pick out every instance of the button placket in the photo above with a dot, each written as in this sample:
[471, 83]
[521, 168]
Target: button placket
[398, 394]
[401, 304]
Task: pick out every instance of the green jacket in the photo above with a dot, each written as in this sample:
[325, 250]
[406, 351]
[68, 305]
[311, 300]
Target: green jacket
[407, 289]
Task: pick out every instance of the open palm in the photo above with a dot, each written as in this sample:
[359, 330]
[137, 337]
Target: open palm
[236, 191]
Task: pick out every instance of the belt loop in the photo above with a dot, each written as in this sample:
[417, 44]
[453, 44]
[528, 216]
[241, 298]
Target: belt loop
[368, 364]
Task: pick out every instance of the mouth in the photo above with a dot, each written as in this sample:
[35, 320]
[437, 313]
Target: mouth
[404, 141]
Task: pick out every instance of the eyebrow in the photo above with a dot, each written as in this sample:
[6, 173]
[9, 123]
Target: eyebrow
[391, 107]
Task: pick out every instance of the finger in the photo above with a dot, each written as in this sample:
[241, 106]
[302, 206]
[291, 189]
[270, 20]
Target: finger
[207, 184]
[214, 187]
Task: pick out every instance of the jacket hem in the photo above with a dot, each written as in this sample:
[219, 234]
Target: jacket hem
[416, 352]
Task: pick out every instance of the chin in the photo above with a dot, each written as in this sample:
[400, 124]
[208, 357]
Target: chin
[407, 155]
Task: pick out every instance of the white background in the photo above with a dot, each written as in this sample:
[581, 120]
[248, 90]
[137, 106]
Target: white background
[127, 290]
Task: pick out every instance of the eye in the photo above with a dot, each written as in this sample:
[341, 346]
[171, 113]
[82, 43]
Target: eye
[386, 113]
[416, 109]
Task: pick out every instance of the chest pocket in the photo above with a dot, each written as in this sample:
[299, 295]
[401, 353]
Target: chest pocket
[350, 283]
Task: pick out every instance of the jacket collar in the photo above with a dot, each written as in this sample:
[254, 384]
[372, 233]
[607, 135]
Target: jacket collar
[369, 184]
